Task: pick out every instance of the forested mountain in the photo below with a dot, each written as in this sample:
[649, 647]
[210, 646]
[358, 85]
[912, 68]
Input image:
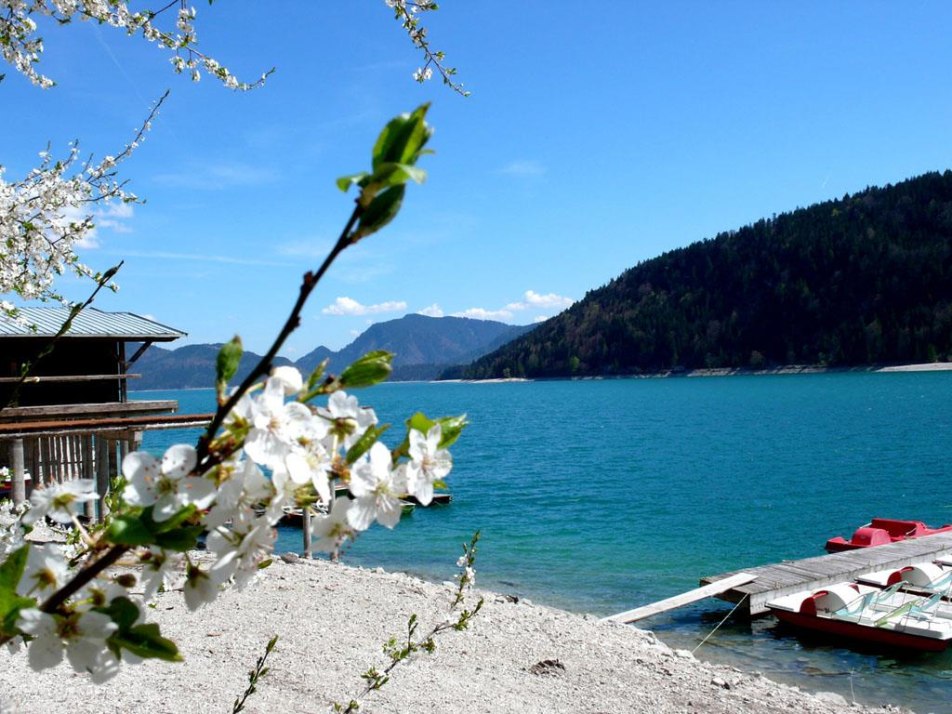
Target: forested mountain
[423, 346]
[862, 280]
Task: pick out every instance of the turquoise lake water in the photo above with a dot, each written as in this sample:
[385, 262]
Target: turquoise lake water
[598, 496]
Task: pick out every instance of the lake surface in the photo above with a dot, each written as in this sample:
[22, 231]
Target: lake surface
[601, 495]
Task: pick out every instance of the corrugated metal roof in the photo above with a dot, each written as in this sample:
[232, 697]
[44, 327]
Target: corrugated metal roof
[47, 321]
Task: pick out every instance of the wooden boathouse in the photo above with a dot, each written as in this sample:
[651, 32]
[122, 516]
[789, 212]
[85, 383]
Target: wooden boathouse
[71, 416]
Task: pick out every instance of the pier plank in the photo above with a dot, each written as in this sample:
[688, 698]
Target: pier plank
[772, 581]
[640, 613]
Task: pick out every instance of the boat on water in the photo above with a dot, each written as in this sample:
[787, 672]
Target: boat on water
[880, 531]
[887, 618]
[922, 578]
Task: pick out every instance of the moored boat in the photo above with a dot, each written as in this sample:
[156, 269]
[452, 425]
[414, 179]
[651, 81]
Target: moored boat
[880, 531]
[886, 618]
[927, 577]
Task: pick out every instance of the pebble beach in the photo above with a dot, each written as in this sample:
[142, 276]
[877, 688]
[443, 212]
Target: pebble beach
[332, 620]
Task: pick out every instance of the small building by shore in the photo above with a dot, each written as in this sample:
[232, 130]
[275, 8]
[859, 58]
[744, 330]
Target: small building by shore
[64, 407]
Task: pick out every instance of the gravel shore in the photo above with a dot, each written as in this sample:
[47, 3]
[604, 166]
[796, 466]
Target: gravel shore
[332, 621]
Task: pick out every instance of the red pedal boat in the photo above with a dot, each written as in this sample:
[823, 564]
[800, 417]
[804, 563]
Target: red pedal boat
[880, 531]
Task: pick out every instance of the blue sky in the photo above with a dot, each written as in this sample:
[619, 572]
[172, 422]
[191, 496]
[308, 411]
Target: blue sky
[596, 136]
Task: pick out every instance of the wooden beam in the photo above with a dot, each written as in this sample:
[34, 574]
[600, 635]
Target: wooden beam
[103, 409]
[43, 379]
[640, 613]
[61, 426]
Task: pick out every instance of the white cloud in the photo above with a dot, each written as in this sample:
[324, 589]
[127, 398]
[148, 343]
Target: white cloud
[479, 313]
[349, 306]
[533, 302]
[549, 300]
[111, 216]
[523, 168]
[433, 310]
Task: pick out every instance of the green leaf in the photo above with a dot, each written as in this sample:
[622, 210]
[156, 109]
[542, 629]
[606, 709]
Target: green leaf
[125, 529]
[372, 368]
[180, 539]
[402, 138]
[122, 611]
[143, 640]
[172, 523]
[345, 182]
[380, 212]
[226, 364]
[420, 422]
[365, 442]
[143, 529]
[147, 642]
[391, 174]
[11, 571]
[317, 375]
[451, 428]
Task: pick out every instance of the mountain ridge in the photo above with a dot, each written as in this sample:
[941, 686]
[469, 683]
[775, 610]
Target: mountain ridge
[423, 347]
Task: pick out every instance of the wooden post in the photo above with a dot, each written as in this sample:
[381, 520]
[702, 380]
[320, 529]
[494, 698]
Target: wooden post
[101, 446]
[18, 483]
[306, 527]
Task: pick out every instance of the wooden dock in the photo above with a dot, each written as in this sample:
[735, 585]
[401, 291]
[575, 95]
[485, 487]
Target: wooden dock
[772, 581]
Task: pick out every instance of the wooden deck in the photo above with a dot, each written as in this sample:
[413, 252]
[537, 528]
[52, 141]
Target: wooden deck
[772, 581]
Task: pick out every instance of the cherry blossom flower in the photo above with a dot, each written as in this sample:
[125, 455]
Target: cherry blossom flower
[199, 588]
[329, 531]
[276, 424]
[309, 459]
[82, 635]
[165, 485]
[240, 548]
[290, 378]
[61, 501]
[347, 420]
[158, 569]
[428, 463]
[245, 487]
[46, 570]
[376, 488]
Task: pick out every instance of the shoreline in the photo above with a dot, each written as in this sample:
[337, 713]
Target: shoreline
[790, 369]
[332, 620]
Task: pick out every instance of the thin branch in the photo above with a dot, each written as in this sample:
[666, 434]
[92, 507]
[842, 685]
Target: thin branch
[291, 324]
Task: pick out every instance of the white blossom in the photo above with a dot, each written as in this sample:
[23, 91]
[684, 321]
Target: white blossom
[240, 548]
[82, 635]
[275, 424]
[46, 571]
[60, 501]
[376, 489]
[244, 488]
[199, 588]
[329, 531]
[165, 485]
[428, 463]
[346, 419]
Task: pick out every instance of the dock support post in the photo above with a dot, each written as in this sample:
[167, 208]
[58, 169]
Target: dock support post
[18, 480]
[306, 527]
[103, 474]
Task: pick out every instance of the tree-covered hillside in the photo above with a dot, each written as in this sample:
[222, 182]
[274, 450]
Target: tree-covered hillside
[862, 280]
